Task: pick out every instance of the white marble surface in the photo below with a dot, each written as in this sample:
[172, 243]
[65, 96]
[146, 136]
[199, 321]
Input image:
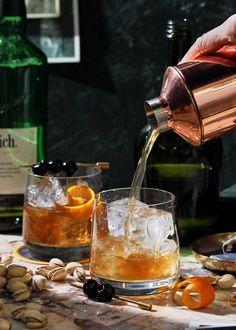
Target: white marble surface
[66, 307]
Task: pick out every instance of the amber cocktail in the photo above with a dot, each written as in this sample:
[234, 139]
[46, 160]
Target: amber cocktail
[135, 248]
[57, 213]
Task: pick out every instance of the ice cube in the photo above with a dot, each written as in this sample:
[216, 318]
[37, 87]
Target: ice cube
[167, 247]
[117, 212]
[151, 227]
[45, 193]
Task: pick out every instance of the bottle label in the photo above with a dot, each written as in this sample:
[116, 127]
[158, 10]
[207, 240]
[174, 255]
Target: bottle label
[197, 222]
[18, 146]
[180, 170]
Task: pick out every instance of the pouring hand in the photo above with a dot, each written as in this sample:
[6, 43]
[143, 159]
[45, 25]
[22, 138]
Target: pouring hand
[213, 40]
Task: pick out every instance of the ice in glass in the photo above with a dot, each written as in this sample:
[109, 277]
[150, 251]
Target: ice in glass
[57, 213]
[135, 248]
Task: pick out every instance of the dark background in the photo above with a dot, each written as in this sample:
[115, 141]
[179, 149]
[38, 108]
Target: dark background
[95, 107]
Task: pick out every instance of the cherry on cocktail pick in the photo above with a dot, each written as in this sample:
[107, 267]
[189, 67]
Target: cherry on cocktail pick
[40, 168]
[55, 166]
[69, 167]
[105, 293]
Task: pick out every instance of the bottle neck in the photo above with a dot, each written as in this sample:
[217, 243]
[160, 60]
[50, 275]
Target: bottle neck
[12, 25]
[157, 115]
[12, 17]
[179, 36]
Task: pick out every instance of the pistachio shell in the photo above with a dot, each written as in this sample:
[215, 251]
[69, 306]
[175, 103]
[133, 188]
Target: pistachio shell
[5, 324]
[34, 305]
[44, 270]
[79, 274]
[38, 283]
[57, 274]
[36, 325]
[33, 315]
[14, 286]
[27, 278]
[14, 270]
[29, 271]
[20, 315]
[14, 279]
[55, 262]
[34, 319]
[3, 282]
[3, 270]
[70, 267]
[20, 295]
[226, 281]
[2, 302]
[17, 310]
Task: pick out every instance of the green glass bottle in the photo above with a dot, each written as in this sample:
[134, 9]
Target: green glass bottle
[191, 173]
[23, 81]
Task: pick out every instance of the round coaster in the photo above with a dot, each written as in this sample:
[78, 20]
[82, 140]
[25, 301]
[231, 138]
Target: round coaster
[23, 253]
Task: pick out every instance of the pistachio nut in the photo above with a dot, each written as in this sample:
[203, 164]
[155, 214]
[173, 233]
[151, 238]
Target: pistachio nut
[57, 274]
[13, 286]
[34, 305]
[27, 278]
[31, 315]
[79, 274]
[3, 270]
[34, 319]
[2, 302]
[38, 283]
[17, 310]
[20, 295]
[36, 325]
[5, 324]
[14, 270]
[15, 279]
[29, 271]
[3, 282]
[55, 262]
[4, 309]
[44, 270]
[70, 267]
[226, 281]
[7, 260]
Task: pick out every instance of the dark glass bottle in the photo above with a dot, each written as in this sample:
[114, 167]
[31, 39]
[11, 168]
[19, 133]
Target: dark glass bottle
[23, 81]
[191, 173]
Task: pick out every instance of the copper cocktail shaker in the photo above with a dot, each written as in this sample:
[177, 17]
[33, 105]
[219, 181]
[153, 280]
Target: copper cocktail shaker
[197, 101]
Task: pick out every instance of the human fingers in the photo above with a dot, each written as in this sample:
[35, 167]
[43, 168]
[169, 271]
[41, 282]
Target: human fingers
[213, 40]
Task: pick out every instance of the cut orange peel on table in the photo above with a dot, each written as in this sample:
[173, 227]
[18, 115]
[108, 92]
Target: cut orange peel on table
[197, 292]
[80, 202]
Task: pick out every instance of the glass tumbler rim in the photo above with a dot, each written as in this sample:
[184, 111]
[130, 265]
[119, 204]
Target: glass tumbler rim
[171, 196]
[64, 177]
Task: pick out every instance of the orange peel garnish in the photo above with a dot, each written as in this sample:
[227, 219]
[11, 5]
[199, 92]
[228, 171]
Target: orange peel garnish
[79, 194]
[80, 202]
[197, 293]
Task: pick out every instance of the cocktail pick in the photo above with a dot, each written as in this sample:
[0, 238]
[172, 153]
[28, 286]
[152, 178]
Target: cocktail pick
[140, 304]
[102, 165]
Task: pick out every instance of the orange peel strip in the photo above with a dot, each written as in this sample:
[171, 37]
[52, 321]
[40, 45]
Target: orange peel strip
[79, 194]
[78, 207]
[196, 285]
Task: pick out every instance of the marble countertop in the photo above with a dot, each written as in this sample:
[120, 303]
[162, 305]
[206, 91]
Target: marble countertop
[66, 307]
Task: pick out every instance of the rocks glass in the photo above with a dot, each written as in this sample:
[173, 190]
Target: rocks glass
[135, 248]
[57, 213]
